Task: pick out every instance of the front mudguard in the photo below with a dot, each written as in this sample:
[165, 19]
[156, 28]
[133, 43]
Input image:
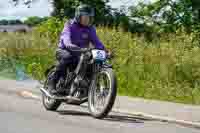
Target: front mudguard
[106, 65]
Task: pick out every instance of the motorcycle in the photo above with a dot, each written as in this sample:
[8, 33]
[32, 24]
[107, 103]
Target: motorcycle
[92, 80]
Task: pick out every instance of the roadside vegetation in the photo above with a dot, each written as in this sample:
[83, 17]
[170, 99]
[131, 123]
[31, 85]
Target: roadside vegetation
[157, 59]
[165, 68]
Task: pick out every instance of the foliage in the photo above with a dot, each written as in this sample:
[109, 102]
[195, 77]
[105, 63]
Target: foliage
[51, 28]
[31, 50]
[156, 17]
[195, 4]
[169, 15]
[33, 21]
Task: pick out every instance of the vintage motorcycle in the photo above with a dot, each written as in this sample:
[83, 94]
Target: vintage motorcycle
[92, 81]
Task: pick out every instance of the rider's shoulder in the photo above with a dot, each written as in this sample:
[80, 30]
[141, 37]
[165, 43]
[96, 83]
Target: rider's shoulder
[92, 28]
[69, 22]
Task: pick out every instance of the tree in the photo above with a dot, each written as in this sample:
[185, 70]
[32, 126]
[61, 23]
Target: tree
[4, 22]
[15, 22]
[105, 15]
[67, 8]
[168, 14]
[33, 21]
[195, 4]
[10, 22]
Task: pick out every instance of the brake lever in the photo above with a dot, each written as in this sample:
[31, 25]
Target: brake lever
[110, 56]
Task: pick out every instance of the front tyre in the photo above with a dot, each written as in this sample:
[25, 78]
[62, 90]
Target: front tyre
[48, 103]
[102, 93]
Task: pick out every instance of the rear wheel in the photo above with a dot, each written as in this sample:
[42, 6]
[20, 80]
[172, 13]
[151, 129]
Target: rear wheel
[102, 94]
[49, 103]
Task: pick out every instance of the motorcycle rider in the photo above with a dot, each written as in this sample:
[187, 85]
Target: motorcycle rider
[77, 34]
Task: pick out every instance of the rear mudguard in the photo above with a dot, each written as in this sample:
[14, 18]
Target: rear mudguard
[48, 70]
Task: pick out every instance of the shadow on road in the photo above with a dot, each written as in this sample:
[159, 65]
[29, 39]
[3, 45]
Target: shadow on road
[113, 118]
[125, 119]
[72, 112]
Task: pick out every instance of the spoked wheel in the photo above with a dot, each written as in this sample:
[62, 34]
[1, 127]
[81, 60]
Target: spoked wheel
[102, 94]
[49, 103]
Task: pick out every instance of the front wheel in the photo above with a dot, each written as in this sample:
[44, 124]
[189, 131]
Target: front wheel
[102, 93]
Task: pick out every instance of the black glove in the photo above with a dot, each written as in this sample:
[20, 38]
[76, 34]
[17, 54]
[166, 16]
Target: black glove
[109, 54]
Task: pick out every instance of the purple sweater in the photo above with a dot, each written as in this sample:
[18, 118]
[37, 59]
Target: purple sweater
[76, 36]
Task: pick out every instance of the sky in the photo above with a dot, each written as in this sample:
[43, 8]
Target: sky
[8, 11]
[42, 8]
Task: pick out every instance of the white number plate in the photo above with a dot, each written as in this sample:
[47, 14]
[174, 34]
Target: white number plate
[99, 55]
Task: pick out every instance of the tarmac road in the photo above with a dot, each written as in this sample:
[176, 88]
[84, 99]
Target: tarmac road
[22, 115]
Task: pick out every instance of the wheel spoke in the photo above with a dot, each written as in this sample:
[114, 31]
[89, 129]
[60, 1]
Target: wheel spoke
[100, 93]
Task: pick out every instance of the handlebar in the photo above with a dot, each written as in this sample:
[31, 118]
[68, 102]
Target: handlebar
[108, 54]
[85, 50]
[82, 50]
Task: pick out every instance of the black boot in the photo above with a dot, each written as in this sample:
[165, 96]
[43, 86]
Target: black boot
[53, 80]
[52, 87]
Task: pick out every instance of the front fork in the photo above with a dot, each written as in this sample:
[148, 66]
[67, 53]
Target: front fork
[80, 72]
[78, 68]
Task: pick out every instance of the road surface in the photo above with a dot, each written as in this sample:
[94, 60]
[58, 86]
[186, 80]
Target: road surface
[23, 115]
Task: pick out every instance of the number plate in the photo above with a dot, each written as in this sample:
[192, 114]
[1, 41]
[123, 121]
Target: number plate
[99, 55]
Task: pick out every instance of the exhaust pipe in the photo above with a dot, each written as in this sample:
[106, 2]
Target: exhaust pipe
[52, 96]
[69, 98]
[46, 93]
